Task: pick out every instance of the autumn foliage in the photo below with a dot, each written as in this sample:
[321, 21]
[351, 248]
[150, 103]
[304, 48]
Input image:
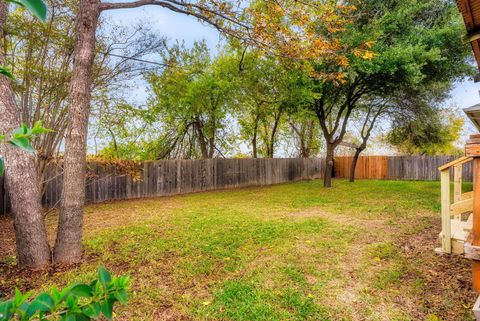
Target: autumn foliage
[304, 33]
[307, 33]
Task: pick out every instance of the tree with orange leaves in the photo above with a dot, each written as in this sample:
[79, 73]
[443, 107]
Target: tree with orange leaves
[307, 34]
[384, 50]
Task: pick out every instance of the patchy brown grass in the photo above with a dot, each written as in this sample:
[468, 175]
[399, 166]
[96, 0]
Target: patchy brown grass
[360, 251]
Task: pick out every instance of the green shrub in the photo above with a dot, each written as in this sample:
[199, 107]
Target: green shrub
[78, 302]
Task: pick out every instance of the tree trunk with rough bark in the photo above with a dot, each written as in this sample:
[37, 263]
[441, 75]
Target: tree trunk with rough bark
[21, 180]
[68, 245]
[327, 180]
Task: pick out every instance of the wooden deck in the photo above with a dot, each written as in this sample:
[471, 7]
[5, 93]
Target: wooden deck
[457, 216]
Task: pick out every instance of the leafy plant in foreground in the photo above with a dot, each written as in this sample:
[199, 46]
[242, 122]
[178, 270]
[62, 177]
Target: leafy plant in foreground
[21, 137]
[78, 302]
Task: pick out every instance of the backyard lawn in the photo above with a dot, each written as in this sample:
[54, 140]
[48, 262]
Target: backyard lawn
[361, 251]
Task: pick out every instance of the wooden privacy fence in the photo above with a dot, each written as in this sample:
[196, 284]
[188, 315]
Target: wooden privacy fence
[371, 167]
[423, 168]
[171, 177]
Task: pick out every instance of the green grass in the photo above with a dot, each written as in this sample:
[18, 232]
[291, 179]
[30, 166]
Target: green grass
[286, 252]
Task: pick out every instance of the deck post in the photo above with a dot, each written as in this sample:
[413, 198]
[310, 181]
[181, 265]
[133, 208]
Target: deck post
[446, 223]
[472, 149]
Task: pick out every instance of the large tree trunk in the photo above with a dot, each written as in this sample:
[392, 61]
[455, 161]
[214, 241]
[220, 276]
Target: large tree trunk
[327, 180]
[21, 181]
[353, 166]
[68, 245]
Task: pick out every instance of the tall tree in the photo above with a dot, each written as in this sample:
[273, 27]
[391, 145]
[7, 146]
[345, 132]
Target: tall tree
[412, 44]
[68, 247]
[30, 234]
[191, 98]
[263, 94]
[433, 27]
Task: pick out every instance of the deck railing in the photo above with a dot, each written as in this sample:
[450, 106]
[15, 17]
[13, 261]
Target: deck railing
[456, 215]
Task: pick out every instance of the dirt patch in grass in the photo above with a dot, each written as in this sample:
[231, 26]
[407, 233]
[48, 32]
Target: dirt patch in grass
[446, 278]
[446, 289]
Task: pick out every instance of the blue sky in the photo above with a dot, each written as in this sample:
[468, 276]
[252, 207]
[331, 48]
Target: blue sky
[182, 27]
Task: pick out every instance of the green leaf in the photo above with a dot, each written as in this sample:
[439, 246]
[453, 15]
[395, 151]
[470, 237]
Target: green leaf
[36, 7]
[19, 298]
[1, 167]
[64, 294]
[81, 317]
[107, 308]
[55, 294]
[19, 132]
[4, 71]
[43, 302]
[71, 303]
[39, 129]
[121, 296]
[92, 310]
[6, 310]
[22, 143]
[82, 290]
[67, 317]
[104, 277]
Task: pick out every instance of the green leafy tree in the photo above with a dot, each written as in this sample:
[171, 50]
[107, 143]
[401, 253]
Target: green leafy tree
[263, 92]
[191, 99]
[431, 133]
[412, 44]
[131, 132]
